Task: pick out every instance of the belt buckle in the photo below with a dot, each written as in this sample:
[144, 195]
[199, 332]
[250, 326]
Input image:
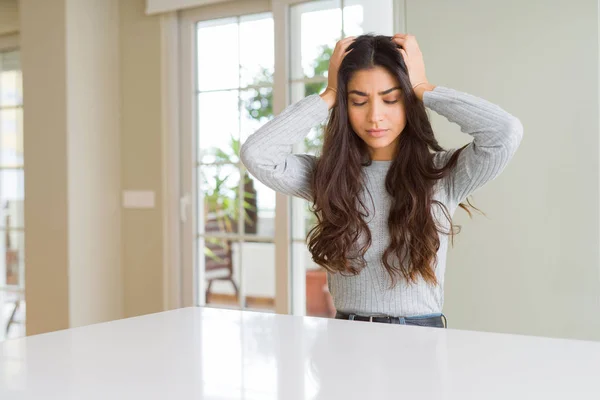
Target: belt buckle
[371, 317]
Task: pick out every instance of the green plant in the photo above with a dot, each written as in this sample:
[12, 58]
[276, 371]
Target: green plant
[222, 187]
[222, 194]
[259, 106]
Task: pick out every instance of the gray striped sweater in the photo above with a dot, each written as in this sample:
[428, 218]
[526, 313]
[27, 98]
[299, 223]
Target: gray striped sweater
[267, 154]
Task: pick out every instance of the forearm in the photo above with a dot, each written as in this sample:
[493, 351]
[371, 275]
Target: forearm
[273, 141]
[421, 89]
[329, 97]
[489, 124]
[496, 137]
[267, 154]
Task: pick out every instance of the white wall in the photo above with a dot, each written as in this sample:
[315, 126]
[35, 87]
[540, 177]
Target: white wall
[531, 266]
[93, 94]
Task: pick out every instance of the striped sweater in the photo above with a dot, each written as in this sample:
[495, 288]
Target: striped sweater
[267, 154]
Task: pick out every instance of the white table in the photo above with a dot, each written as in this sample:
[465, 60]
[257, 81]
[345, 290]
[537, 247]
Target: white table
[205, 353]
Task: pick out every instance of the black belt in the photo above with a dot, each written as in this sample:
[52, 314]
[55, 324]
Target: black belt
[438, 321]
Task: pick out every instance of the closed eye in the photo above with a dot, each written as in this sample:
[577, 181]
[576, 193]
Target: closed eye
[363, 103]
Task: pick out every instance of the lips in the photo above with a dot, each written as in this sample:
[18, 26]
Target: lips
[377, 133]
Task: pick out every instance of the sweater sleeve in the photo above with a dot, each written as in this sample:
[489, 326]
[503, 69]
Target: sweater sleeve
[267, 153]
[496, 137]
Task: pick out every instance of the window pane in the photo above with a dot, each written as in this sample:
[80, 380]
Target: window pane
[314, 87]
[11, 87]
[259, 207]
[226, 117]
[221, 273]
[218, 127]
[11, 198]
[224, 262]
[10, 302]
[11, 137]
[305, 220]
[258, 267]
[217, 55]
[256, 50]
[219, 194]
[256, 109]
[12, 256]
[300, 90]
[12, 242]
[368, 16]
[313, 142]
[317, 26]
[12, 274]
[218, 199]
[318, 299]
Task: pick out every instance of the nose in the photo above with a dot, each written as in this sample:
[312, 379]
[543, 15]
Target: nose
[375, 113]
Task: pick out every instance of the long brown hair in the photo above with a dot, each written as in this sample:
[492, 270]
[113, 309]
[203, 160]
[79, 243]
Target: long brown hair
[341, 237]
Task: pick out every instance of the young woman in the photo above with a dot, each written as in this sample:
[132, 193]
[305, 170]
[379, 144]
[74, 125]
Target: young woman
[383, 190]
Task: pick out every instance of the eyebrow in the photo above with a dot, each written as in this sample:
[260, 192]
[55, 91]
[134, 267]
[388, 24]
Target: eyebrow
[380, 93]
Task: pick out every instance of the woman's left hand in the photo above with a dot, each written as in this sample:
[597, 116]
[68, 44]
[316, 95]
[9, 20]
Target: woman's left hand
[413, 58]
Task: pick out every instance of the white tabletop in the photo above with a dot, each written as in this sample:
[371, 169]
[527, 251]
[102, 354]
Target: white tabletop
[205, 353]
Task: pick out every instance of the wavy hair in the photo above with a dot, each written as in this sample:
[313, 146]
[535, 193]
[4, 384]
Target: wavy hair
[341, 237]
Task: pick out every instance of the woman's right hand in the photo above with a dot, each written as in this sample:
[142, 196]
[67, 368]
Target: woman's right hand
[339, 52]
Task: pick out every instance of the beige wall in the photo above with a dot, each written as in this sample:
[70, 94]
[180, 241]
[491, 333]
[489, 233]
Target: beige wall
[9, 16]
[142, 253]
[532, 265]
[93, 129]
[43, 43]
[71, 144]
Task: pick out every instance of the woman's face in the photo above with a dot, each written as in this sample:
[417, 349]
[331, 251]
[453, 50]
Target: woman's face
[376, 110]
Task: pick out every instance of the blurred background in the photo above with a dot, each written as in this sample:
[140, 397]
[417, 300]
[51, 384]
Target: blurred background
[122, 192]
